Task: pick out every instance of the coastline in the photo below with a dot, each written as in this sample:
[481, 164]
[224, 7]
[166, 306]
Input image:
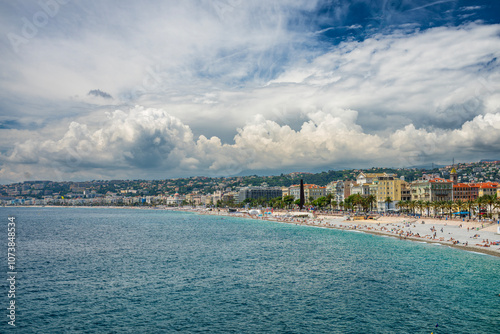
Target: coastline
[403, 228]
[396, 225]
[483, 250]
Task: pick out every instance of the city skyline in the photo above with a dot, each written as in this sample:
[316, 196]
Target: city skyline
[121, 90]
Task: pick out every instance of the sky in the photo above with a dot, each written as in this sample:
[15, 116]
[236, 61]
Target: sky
[99, 90]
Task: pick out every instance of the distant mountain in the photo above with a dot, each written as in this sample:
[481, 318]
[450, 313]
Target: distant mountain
[427, 166]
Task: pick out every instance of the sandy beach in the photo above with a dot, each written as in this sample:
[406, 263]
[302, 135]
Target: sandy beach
[470, 236]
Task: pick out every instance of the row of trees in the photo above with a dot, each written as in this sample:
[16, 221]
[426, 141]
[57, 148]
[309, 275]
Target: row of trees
[484, 204]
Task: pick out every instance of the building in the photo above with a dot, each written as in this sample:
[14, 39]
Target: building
[356, 189]
[310, 191]
[433, 190]
[441, 190]
[453, 176]
[388, 187]
[421, 190]
[363, 178]
[405, 192]
[347, 188]
[175, 199]
[361, 189]
[487, 188]
[194, 198]
[258, 192]
[230, 196]
[465, 192]
[336, 188]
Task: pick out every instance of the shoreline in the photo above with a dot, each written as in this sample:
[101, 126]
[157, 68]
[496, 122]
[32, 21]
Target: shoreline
[461, 247]
[324, 222]
[401, 227]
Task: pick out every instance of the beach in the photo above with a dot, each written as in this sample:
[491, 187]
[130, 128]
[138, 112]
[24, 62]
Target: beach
[481, 237]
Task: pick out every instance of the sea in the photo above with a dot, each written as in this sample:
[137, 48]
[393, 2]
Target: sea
[106, 270]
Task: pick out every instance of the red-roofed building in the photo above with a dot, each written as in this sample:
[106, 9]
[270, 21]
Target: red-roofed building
[465, 192]
[487, 188]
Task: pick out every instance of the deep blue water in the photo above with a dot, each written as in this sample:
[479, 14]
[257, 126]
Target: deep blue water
[144, 271]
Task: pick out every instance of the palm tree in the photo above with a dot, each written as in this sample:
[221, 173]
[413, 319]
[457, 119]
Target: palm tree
[329, 198]
[470, 204]
[435, 207]
[448, 205]
[461, 206]
[357, 200]
[400, 205]
[480, 202]
[438, 206]
[497, 204]
[388, 201]
[427, 205]
[420, 206]
[490, 200]
[412, 205]
[371, 199]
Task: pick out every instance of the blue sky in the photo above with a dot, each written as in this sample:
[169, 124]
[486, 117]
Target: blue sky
[122, 89]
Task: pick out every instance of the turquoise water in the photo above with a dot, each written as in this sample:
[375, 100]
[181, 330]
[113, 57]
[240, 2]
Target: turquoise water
[144, 271]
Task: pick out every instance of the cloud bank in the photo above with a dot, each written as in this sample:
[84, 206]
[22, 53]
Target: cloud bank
[150, 142]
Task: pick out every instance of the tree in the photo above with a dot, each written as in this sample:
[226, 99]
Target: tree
[388, 201]
[460, 206]
[371, 200]
[490, 200]
[329, 198]
[480, 202]
[412, 205]
[420, 206]
[320, 202]
[348, 205]
[401, 205]
[275, 202]
[471, 205]
[288, 199]
[427, 205]
[448, 205]
[355, 200]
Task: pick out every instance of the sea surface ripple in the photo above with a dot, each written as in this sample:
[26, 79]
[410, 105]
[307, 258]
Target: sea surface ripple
[98, 270]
